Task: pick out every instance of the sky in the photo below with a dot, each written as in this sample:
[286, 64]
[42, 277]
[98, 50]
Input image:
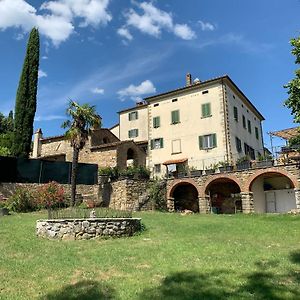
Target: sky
[112, 53]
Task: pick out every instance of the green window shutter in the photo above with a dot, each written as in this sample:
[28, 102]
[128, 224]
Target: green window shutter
[129, 133]
[156, 122]
[214, 140]
[129, 116]
[249, 126]
[206, 110]
[152, 144]
[175, 116]
[136, 115]
[136, 133]
[201, 142]
[235, 113]
[256, 133]
[244, 122]
[161, 143]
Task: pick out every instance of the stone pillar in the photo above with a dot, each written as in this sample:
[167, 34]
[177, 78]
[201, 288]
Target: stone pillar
[170, 204]
[36, 152]
[297, 197]
[203, 205]
[247, 202]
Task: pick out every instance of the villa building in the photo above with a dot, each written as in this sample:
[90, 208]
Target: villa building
[200, 126]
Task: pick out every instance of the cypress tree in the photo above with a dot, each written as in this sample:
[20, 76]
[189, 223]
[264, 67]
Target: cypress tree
[26, 98]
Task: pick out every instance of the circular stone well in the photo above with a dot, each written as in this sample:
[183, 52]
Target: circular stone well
[85, 229]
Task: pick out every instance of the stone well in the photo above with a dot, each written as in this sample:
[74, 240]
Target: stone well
[85, 229]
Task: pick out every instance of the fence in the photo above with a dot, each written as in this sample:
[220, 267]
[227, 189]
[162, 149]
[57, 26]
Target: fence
[14, 169]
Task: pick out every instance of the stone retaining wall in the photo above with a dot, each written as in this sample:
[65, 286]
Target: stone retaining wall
[85, 229]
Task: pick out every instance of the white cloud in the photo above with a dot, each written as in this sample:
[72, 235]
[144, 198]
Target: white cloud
[124, 32]
[42, 74]
[153, 20]
[206, 26]
[45, 57]
[97, 91]
[58, 22]
[49, 118]
[135, 92]
[184, 32]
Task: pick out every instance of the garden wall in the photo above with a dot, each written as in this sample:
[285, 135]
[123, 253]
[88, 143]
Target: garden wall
[85, 229]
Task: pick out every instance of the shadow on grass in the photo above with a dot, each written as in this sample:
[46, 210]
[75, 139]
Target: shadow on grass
[260, 285]
[295, 257]
[188, 285]
[83, 290]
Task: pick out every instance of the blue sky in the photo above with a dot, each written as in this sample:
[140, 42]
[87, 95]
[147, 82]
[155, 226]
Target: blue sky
[110, 53]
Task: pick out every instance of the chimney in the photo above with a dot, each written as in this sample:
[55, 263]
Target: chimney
[188, 79]
[38, 135]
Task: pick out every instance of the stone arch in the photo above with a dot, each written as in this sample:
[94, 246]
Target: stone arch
[223, 194]
[181, 182]
[219, 177]
[184, 195]
[274, 171]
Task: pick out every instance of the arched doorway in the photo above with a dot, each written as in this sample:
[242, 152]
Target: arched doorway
[273, 193]
[131, 158]
[224, 196]
[185, 197]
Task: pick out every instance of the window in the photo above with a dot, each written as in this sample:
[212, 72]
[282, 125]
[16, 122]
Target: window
[208, 141]
[204, 92]
[174, 100]
[156, 104]
[133, 133]
[157, 143]
[176, 146]
[206, 110]
[244, 122]
[175, 117]
[133, 116]
[233, 96]
[235, 113]
[256, 133]
[238, 144]
[157, 168]
[249, 151]
[249, 126]
[156, 122]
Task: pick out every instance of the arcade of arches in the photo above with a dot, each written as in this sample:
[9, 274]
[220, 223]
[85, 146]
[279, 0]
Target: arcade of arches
[271, 190]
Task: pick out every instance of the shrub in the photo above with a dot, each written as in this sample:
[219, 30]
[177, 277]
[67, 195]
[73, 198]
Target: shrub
[157, 194]
[22, 200]
[50, 195]
[111, 172]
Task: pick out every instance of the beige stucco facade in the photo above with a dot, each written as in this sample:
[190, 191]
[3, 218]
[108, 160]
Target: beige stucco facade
[180, 140]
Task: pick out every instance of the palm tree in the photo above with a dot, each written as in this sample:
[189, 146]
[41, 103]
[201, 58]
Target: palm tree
[83, 117]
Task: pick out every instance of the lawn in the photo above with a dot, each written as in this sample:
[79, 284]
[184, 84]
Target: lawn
[176, 257]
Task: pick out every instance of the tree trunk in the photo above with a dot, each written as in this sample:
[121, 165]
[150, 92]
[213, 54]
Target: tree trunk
[74, 175]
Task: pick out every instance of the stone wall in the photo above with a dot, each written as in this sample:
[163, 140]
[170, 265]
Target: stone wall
[129, 194]
[85, 229]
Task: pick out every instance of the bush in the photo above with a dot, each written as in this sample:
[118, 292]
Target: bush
[22, 201]
[50, 195]
[157, 194]
[111, 172]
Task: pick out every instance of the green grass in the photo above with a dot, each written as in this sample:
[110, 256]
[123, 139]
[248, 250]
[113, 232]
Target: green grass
[177, 257]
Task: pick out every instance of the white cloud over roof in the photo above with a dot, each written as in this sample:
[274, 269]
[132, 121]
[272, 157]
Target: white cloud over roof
[134, 92]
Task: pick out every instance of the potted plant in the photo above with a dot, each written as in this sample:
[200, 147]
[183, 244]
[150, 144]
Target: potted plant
[195, 172]
[264, 161]
[243, 163]
[182, 170]
[225, 166]
[210, 169]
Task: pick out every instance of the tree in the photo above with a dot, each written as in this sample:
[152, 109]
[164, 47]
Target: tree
[293, 101]
[26, 98]
[6, 134]
[83, 117]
